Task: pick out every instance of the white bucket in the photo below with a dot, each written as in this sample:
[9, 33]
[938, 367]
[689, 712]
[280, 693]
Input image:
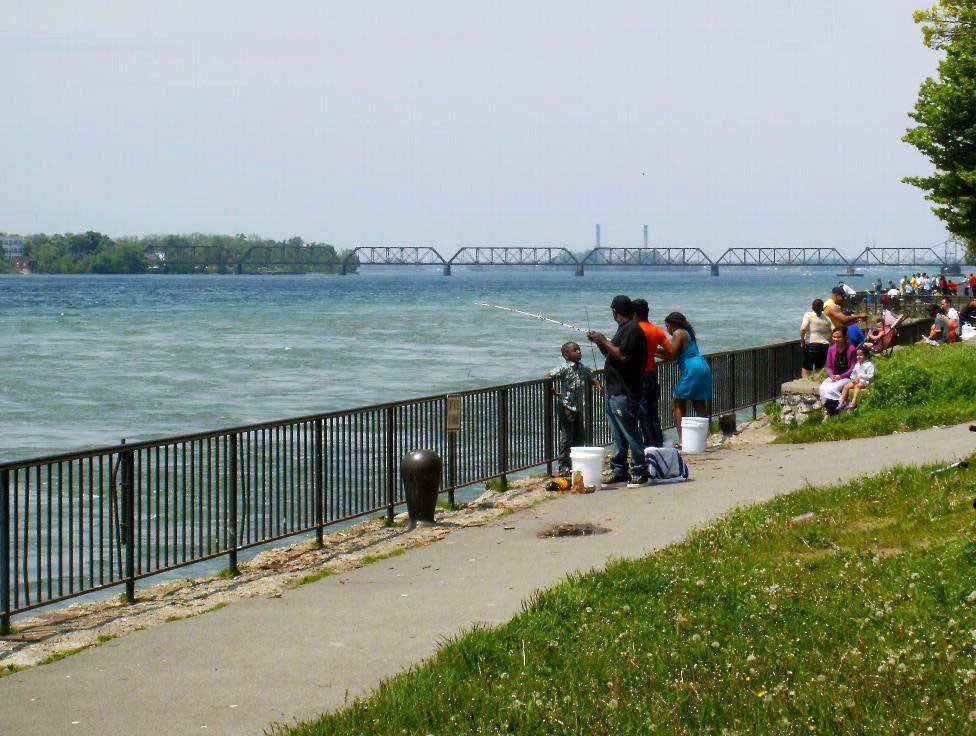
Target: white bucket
[588, 461]
[694, 432]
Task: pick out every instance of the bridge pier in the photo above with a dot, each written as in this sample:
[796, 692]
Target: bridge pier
[238, 268]
[447, 269]
[579, 269]
[713, 269]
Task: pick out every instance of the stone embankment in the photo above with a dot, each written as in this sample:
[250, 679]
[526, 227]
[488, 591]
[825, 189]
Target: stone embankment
[799, 400]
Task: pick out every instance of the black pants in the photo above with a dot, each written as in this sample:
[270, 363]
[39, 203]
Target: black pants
[814, 356]
[572, 433]
[649, 416]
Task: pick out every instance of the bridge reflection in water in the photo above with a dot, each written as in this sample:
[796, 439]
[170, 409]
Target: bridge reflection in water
[182, 257]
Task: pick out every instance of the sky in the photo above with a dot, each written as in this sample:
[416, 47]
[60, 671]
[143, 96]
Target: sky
[446, 124]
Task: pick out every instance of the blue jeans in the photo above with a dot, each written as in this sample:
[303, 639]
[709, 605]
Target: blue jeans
[622, 412]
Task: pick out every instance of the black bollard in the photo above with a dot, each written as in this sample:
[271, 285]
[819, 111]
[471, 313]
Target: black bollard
[421, 471]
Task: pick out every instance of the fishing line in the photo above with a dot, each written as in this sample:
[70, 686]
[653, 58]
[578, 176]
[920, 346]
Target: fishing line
[534, 316]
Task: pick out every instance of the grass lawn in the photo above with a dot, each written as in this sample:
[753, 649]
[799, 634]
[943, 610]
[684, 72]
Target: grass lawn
[917, 388]
[861, 622]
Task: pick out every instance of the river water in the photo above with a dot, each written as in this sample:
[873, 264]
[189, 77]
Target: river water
[90, 359]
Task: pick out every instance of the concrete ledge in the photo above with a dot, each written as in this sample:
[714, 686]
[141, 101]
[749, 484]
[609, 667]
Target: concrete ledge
[800, 387]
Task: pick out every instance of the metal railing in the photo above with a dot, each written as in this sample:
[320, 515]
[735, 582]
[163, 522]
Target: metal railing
[78, 522]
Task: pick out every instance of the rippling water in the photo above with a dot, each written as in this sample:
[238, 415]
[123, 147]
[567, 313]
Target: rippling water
[90, 359]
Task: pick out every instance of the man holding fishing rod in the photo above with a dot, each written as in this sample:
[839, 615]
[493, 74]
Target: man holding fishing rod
[626, 355]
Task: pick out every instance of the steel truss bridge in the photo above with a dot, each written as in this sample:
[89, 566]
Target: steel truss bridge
[310, 255]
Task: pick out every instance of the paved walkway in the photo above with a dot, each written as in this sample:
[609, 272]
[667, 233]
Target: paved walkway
[259, 661]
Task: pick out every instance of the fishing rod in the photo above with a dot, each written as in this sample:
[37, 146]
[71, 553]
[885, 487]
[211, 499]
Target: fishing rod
[534, 316]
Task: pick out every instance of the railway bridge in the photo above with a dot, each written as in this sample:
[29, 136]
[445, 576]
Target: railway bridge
[601, 256]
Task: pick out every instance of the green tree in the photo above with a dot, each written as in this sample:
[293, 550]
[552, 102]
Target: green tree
[945, 117]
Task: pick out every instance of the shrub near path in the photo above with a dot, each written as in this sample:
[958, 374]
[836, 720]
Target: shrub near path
[917, 388]
[861, 622]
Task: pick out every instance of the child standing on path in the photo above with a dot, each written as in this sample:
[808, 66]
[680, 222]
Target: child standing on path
[861, 378]
[572, 377]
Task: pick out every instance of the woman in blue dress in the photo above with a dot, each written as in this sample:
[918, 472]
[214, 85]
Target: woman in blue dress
[695, 384]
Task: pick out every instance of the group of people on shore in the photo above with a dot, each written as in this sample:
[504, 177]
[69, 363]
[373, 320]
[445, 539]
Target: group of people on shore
[922, 283]
[631, 385]
[833, 339]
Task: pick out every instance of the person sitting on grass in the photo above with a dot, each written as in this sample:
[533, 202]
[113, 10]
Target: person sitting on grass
[572, 377]
[861, 378]
[968, 314]
[952, 316]
[840, 363]
[939, 334]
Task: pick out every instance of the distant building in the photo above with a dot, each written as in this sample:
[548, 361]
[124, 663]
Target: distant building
[12, 246]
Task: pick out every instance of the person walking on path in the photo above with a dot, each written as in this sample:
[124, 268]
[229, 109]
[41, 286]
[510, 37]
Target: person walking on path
[572, 377]
[626, 356]
[815, 338]
[695, 384]
[650, 415]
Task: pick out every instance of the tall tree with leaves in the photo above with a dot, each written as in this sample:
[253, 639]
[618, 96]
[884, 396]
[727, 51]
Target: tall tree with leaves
[945, 114]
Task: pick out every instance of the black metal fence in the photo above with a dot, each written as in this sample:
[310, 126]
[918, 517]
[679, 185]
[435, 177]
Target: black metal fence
[75, 523]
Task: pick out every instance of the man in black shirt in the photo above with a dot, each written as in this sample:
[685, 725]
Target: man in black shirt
[626, 355]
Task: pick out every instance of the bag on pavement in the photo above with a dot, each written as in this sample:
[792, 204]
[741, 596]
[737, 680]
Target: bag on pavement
[665, 465]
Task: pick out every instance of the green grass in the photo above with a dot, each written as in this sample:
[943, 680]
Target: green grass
[917, 388]
[312, 577]
[863, 622]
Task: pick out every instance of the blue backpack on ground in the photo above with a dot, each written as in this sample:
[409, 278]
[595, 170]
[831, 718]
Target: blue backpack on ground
[665, 465]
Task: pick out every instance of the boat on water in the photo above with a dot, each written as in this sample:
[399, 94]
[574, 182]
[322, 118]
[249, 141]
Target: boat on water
[854, 275]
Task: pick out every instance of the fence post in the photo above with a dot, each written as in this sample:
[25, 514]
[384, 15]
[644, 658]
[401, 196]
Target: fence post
[590, 440]
[390, 463]
[503, 436]
[319, 482]
[755, 382]
[548, 438]
[4, 552]
[127, 458]
[232, 493]
[452, 461]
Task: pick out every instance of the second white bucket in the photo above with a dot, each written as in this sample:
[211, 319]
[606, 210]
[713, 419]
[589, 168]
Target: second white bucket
[694, 432]
[588, 461]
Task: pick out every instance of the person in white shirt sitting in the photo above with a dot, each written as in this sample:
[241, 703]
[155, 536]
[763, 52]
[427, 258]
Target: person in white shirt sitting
[861, 378]
[952, 315]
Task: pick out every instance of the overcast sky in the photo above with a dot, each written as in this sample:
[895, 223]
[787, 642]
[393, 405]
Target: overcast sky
[451, 123]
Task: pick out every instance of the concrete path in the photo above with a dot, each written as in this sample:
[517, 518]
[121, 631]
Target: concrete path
[260, 661]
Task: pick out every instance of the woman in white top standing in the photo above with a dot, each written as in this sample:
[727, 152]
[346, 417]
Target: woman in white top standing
[815, 338]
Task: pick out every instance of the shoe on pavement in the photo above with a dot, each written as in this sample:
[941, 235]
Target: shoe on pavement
[637, 480]
[614, 478]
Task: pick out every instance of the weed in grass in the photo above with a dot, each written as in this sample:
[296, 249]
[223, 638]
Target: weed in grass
[860, 623]
[215, 607]
[370, 559]
[312, 577]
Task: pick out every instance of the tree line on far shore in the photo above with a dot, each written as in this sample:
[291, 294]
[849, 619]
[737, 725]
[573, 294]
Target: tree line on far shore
[94, 252]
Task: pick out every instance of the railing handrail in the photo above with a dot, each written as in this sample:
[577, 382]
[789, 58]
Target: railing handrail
[102, 450]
